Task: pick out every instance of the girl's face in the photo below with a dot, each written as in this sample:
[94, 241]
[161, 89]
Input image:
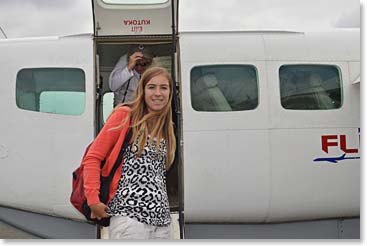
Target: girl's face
[157, 93]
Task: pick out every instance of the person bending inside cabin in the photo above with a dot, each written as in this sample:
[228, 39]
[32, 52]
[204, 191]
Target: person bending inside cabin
[138, 201]
[125, 76]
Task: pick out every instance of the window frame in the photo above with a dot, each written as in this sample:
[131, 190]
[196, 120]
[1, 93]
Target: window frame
[127, 6]
[136, 3]
[227, 65]
[339, 71]
[37, 94]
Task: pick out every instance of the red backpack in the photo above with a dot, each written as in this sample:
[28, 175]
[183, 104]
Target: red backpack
[77, 197]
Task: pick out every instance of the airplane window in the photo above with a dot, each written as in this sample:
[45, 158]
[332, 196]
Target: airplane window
[107, 105]
[310, 87]
[51, 90]
[224, 88]
[139, 2]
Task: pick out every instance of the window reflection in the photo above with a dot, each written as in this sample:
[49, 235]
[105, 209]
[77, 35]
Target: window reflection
[224, 88]
[51, 90]
[310, 87]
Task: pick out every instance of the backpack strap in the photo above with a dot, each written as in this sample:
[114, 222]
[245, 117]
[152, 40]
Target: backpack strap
[121, 153]
[127, 87]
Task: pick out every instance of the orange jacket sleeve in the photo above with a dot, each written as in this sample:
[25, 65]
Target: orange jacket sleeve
[99, 151]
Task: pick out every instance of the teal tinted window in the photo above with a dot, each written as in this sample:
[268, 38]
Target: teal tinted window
[51, 90]
[310, 87]
[224, 88]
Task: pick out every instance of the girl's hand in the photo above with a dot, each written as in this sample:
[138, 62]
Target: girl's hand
[99, 211]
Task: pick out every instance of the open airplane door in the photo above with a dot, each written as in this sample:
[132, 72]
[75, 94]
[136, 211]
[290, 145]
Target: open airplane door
[134, 17]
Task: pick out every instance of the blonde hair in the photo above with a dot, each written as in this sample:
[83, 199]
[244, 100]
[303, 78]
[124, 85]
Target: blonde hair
[139, 118]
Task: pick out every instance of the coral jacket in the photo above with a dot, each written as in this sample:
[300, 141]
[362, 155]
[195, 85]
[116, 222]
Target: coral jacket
[106, 146]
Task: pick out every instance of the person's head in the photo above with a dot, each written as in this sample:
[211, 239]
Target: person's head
[151, 111]
[146, 61]
[154, 92]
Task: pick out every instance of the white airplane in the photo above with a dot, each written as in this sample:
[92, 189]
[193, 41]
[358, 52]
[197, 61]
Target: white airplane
[268, 124]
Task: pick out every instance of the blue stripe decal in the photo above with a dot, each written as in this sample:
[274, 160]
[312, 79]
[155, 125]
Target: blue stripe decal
[336, 159]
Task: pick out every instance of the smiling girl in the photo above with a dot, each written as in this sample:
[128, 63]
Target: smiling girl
[138, 201]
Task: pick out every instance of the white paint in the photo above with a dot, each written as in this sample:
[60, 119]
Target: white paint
[43, 149]
[257, 165]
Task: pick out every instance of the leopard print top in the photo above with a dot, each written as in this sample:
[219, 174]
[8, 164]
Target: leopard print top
[142, 193]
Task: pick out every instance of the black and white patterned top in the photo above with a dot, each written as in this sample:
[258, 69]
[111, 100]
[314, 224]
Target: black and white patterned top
[142, 193]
